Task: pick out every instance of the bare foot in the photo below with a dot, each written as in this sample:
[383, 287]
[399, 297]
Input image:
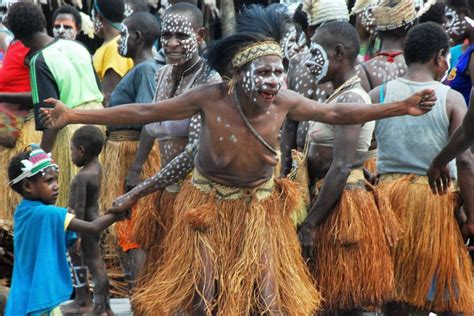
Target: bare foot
[76, 307]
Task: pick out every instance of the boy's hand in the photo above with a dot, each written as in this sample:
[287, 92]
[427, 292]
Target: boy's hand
[123, 203]
[56, 117]
[421, 102]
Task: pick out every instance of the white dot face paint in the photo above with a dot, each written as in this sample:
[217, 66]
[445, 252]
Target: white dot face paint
[98, 26]
[178, 39]
[318, 63]
[123, 41]
[292, 44]
[60, 30]
[128, 10]
[263, 79]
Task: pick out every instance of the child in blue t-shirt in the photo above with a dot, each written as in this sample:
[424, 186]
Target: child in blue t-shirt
[42, 232]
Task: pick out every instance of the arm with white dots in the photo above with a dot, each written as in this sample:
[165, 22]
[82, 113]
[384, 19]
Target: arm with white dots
[177, 169]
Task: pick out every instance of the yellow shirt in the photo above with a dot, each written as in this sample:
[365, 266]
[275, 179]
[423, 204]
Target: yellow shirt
[107, 57]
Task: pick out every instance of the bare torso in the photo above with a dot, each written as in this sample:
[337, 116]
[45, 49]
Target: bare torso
[381, 69]
[229, 153]
[89, 177]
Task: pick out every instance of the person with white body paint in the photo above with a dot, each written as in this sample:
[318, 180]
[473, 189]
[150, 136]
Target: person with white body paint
[232, 248]
[67, 22]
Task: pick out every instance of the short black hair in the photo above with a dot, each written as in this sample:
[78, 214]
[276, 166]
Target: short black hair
[69, 9]
[340, 32]
[91, 138]
[15, 169]
[424, 41]
[436, 14]
[138, 5]
[112, 10]
[190, 10]
[145, 23]
[25, 19]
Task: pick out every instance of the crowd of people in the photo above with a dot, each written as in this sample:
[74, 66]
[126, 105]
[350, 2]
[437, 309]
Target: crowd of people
[317, 160]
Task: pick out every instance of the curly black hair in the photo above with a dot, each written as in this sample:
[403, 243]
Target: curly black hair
[147, 24]
[15, 169]
[91, 138]
[436, 14]
[424, 41]
[68, 9]
[25, 19]
[111, 10]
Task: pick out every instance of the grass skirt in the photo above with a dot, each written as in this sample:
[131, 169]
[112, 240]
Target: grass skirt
[370, 162]
[352, 257]
[62, 155]
[432, 265]
[8, 198]
[237, 234]
[117, 160]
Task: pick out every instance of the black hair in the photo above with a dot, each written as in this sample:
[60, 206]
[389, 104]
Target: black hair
[272, 21]
[111, 10]
[91, 138]
[188, 9]
[146, 24]
[436, 14]
[220, 53]
[15, 169]
[424, 41]
[301, 18]
[138, 5]
[24, 19]
[69, 9]
[340, 32]
[461, 5]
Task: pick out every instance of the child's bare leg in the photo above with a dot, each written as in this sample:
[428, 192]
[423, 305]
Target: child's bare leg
[82, 302]
[269, 295]
[136, 258]
[96, 265]
[206, 285]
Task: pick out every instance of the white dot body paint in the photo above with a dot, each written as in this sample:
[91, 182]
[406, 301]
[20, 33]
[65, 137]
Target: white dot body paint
[59, 31]
[318, 63]
[263, 77]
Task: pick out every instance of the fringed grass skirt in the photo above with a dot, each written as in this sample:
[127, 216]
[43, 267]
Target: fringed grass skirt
[370, 162]
[352, 257]
[432, 265]
[62, 155]
[230, 238]
[120, 151]
[8, 198]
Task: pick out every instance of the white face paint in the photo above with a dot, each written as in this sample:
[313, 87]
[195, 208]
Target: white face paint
[318, 63]
[448, 62]
[128, 10]
[263, 80]
[123, 41]
[98, 26]
[60, 30]
[292, 44]
[178, 39]
[367, 19]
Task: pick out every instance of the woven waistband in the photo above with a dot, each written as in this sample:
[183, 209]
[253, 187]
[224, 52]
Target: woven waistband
[413, 178]
[120, 136]
[232, 193]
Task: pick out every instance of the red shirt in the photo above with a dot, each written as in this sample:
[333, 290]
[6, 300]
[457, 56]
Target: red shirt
[14, 75]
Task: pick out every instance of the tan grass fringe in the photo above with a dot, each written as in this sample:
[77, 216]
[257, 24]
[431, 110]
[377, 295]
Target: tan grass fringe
[371, 165]
[240, 238]
[118, 158]
[62, 155]
[8, 198]
[152, 223]
[352, 256]
[431, 248]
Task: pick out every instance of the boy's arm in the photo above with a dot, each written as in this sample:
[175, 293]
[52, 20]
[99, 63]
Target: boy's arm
[303, 109]
[95, 227]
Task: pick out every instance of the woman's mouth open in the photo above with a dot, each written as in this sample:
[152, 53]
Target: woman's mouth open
[267, 96]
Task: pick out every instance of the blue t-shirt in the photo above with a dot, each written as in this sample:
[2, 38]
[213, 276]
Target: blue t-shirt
[458, 78]
[41, 278]
[137, 86]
